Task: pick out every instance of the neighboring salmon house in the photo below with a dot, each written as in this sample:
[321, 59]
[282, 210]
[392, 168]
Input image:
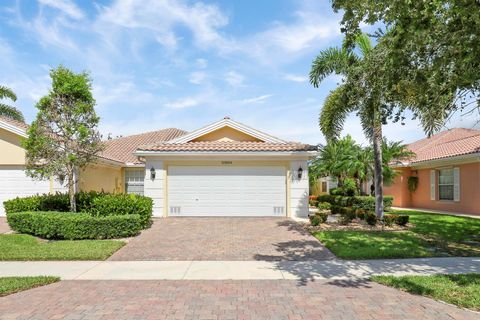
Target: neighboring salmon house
[444, 175]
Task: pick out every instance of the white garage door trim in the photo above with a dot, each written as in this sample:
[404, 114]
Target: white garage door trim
[226, 191]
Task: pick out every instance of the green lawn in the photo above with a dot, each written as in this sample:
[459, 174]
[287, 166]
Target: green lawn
[433, 235]
[461, 290]
[26, 247]
[9, 285]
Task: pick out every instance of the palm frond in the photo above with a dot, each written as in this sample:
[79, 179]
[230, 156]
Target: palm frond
[332, 116]
[11, 112]
[364, 43]
[7, 93]
[330, 60]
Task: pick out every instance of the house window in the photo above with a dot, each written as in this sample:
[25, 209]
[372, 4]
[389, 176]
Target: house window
[324, 186]
[134, 180]
[445, 184]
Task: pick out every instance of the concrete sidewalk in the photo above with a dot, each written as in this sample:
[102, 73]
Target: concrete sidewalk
[237, 270]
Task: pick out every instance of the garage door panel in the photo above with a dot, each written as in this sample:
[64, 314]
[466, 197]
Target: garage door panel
[226, 191]
[14, 183]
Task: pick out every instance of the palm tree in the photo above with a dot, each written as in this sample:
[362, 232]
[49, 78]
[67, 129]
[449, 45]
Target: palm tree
[342, 101]
[393, 152]
[5, 109]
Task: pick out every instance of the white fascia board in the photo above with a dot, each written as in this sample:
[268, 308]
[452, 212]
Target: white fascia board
[13, 129]
[461, 159]
[227, 123]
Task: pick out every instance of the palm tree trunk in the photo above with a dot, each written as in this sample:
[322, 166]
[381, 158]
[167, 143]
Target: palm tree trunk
[378, 175]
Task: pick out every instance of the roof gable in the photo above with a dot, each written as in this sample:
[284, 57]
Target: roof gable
[14, 126]
[238, 132]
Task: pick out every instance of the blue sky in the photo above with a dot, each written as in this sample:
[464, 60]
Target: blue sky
[185, 64]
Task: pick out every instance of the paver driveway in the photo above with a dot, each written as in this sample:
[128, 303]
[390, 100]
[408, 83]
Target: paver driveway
[271, 239]
[260, 299]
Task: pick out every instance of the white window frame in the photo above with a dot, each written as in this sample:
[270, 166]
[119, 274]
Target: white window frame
[452, 184]
[135, 177]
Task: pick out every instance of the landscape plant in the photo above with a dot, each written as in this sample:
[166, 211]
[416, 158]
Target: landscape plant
[7, 110]
[64, 137]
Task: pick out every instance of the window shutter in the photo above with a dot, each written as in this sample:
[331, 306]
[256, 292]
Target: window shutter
[456, 184]
[433, 185]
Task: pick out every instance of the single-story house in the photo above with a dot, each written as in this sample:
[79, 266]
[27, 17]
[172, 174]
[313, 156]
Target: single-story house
[223, 169]
[447, 170]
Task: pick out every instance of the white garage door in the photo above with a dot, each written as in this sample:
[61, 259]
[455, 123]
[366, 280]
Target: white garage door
[226, 191]
[14, 183]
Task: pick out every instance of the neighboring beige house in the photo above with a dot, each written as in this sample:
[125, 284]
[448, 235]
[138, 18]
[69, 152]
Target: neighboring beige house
[447, 166]
[223, 169]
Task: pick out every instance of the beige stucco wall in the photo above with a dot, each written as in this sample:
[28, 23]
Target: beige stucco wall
[99, 177]
[226, 134]
[11, 152]
[469, 190]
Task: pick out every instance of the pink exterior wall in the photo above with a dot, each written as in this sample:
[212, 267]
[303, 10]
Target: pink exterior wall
[399, 189]
[469, 191]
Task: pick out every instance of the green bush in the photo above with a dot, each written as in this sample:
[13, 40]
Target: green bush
[93, 203]
[402, 220]
[324, 206]
[360, 213]
[74, 226]
[344, 220]
[366, 203]
[323, 216]
[335, 209]
[371, 218]
[314, 220]
[389, 219]
[348, 212]
[312, 202]
[123, 204]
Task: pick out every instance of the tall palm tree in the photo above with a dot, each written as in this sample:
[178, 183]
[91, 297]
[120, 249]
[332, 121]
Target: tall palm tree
[341, 101]
[5, 109]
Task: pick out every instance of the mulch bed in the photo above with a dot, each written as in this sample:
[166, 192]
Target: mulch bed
[332, 224]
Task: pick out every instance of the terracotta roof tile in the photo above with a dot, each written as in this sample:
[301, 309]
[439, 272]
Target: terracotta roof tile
[225, 146]
[122, 149]
[15, 123]
[449, 143]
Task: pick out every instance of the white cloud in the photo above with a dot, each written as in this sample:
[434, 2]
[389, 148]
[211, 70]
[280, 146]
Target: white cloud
[295, 78]
[183, 103]
[259, 99]
[234, 79]
[160, 17]
[201, 63]
[197, 77]
[65, 6]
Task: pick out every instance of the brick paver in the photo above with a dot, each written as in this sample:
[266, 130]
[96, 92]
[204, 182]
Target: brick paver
[271, 239]
[4, 228]
[261, 299]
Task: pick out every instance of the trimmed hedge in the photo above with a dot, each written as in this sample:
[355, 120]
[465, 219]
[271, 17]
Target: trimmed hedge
[93, 203]
[74, 226]
[366, 203]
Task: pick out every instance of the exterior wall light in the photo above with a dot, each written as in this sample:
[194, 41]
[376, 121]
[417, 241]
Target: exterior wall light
[300, 173]
[152, 173]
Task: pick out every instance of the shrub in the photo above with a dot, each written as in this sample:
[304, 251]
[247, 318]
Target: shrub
[323, 216]
[344, 220]
[74, 226]
[367, 203]
[402, 220]
[348, 212]
[371, 218]
[336, 192]
[389, 219]
[325, 198]
[314, 220]
[312, 203]
[324, 206]
[360, 213]
[336, 209]
[123, 204]
[349, 187]
[93, 203]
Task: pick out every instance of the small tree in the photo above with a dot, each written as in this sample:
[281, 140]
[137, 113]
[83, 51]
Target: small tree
[64, 136]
